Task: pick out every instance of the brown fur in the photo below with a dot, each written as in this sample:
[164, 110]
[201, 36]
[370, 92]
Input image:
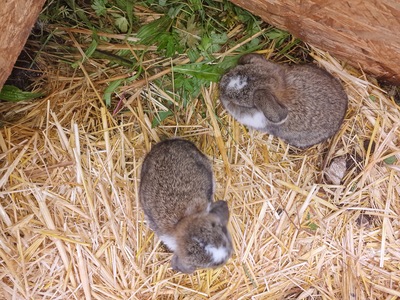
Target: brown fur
[302, 104]
[176, 194]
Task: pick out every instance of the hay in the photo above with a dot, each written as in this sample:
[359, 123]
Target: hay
[71, 227]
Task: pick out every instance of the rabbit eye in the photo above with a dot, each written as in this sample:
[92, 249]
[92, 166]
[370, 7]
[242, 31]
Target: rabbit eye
[213, 224]
[198, 241]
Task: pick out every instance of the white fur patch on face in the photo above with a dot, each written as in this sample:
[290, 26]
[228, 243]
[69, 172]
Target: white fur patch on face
[256, 120]
[219, 254]
[169, 241]
[237, 82]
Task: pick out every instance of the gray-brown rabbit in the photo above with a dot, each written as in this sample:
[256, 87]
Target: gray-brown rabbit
[301, 104]
[176, 193]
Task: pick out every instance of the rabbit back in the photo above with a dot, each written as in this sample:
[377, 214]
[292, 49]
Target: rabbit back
[317, 104]
[176, 181]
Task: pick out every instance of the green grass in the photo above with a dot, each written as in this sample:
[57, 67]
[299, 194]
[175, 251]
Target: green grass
[198, 32]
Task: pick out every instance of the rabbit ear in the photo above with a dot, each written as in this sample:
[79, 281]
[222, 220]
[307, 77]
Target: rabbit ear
[273, 110]
[178, 266]
[220, 208]
[251, 58]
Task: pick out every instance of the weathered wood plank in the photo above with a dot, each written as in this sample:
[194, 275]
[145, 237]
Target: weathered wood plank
[17, 19]
[363, 33]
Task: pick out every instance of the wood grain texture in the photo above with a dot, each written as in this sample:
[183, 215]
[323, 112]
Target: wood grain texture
[17, 19]
[363, 33]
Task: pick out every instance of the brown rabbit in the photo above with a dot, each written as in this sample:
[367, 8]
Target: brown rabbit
[301, 104]
[176, 193]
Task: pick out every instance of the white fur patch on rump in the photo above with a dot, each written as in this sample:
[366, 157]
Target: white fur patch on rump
[169, 241]
[237, 82]
[256, 120]
[219, 254]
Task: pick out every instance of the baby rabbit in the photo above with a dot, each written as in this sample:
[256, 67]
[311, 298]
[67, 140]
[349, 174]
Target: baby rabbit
[176, 193]
[301, 104]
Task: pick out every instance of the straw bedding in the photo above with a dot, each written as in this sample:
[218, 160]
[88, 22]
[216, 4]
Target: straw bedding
[71, 227]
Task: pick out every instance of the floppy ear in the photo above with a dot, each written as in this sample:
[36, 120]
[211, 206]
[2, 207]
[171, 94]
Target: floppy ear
[220, 208]
[251, 58]
[272, 109]
[178, 266]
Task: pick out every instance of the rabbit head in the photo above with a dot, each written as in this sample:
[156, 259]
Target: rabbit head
[250, 92]
[202, 240]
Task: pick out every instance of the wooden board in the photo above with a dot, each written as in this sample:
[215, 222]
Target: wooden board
[363, 33]
[17, 19]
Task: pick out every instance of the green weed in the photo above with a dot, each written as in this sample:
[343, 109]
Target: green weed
[200, 31]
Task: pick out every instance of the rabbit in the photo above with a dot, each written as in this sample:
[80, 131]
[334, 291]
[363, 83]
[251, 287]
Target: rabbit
[301, 104]
[176, 193]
